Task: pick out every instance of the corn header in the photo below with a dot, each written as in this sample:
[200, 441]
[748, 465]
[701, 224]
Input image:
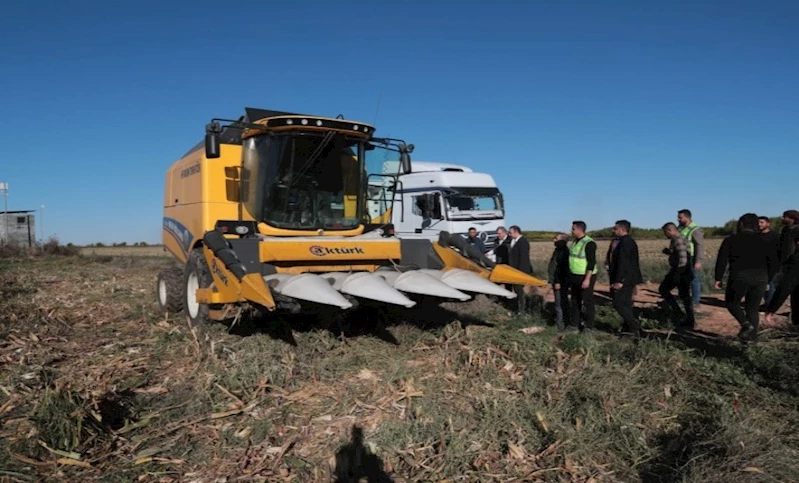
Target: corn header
[271, 212]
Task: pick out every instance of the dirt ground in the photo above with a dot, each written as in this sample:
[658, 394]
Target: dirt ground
[712, 316]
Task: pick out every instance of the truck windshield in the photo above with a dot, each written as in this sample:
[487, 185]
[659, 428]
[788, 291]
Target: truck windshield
[468, 203]
[304, 180]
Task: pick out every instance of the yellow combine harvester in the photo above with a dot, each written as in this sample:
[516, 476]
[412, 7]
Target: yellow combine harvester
[270, 213]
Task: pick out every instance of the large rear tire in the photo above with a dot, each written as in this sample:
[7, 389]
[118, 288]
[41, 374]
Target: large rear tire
[196, 275]
[169, 289]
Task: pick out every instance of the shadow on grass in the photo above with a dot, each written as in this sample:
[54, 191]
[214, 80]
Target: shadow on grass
[693, 438]
[705, 343]
[354, 462]
[368, 319]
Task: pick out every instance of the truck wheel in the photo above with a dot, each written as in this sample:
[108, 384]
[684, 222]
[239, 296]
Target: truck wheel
[196, 276]
[170, 290]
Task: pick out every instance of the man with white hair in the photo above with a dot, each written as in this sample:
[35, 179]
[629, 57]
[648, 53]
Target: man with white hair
[500, 251]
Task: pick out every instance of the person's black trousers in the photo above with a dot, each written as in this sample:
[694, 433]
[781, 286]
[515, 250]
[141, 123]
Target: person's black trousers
[788, 287]
[749, 289]
[680, 278]
[521, 299]
[623, 303]
[582, 301]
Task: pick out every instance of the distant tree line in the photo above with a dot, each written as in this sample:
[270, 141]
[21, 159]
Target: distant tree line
[654, 233]
[119, 244]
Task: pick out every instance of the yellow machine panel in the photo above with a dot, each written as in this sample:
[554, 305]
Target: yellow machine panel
[326, 251]
[200, 191]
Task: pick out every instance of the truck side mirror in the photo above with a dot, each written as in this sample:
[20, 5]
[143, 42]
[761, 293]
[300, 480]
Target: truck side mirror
[405, 162]
[405, 157]
[212, 132]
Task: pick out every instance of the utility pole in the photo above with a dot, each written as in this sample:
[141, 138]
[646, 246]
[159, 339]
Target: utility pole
[4, 190]
[41, 221]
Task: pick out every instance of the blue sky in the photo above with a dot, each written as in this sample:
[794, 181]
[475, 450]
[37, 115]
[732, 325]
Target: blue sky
[579, 110]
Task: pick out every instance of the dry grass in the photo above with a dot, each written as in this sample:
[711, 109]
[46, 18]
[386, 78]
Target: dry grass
[51, 248]
[97, 385]
[149, 251]
[649, 250]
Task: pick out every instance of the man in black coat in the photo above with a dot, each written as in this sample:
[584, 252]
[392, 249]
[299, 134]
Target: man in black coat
[559, 278]
[772, 238]
[519, 258]
[501, 250]
[753, 262]
[625, 273]
[788, 285]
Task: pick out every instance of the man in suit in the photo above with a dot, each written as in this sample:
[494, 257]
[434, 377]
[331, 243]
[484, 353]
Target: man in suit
[503, 245]
[519, 258]
[559, 278]
[625, 273]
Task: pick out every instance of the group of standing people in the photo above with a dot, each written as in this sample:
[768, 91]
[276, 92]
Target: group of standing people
[761, 267]
[572, 273]
[512, 249]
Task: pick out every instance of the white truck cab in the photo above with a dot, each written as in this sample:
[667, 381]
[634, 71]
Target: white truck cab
[436, 197]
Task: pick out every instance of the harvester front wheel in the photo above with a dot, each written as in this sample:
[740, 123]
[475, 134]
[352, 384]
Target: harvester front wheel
[196, 276]
[170, 290]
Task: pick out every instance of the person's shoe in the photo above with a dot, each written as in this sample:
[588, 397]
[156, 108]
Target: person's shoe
[746, 334]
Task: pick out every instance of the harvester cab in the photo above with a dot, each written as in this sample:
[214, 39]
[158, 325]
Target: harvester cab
[271, 212]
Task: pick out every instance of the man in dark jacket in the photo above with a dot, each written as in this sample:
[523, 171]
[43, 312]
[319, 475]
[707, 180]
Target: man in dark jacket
[475, 241]
[611, 248]
[789, 235]
[753, 262]
[787, 287]
[788, 284]
[764, 225]
[624, 271]
[502, 247]
[519, 258]
[559, 277]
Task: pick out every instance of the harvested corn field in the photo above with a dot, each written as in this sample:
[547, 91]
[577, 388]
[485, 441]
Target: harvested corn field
[97, 385]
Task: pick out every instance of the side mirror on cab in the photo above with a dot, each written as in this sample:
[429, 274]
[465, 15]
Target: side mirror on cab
[405, 157]
[212, 131]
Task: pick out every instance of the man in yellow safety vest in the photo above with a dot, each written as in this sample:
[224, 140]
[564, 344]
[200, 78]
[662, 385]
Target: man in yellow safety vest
[583, 269]
[696, 250]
